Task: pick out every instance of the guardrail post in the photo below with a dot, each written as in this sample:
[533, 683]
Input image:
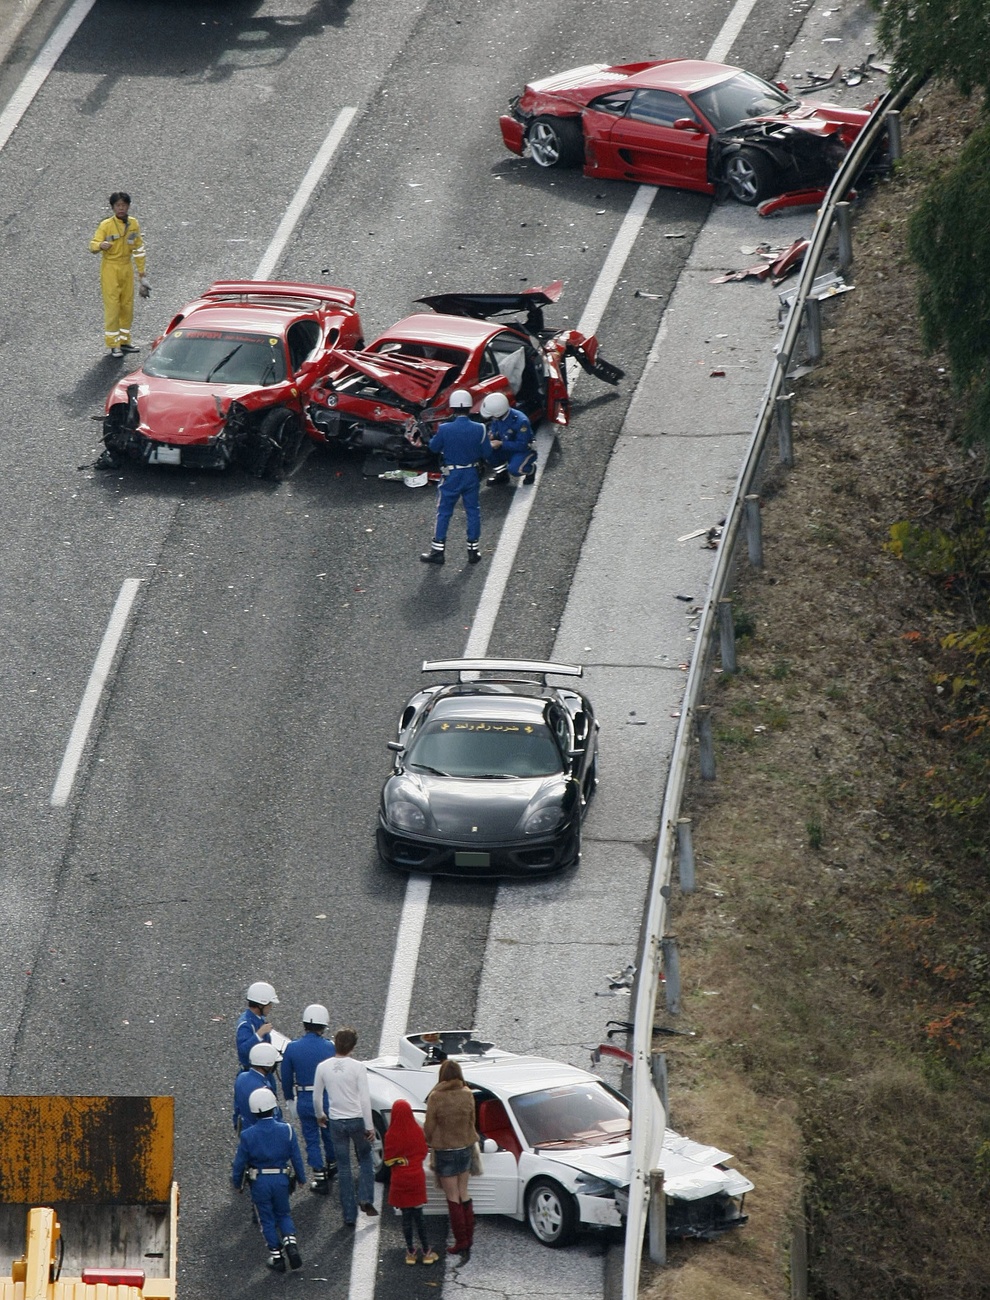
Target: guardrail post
[845, 237]
[785, 430]
[658, 1068]
[685, 855]
[657, 1218]
[726, 636]
[754, 530]
[894, 146]
[813, 320]
[706, 750]
[671, 974]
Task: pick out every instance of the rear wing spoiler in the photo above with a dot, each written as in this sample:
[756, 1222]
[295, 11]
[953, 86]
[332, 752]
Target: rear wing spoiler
[286, 290]
[465, 666]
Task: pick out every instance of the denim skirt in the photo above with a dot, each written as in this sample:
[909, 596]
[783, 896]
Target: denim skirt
[451, 1161]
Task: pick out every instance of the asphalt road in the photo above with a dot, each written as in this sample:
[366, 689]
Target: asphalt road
[221, 828]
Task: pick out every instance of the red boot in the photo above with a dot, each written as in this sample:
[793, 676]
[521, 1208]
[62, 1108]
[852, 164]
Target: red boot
[467, 1207]
[458, 1227]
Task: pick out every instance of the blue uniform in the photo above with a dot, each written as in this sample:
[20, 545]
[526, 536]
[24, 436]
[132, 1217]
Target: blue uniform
[269, 1148]
[247, 1035]
[299, 1063]
[246, 1083]
[515, 433]
[462, 442]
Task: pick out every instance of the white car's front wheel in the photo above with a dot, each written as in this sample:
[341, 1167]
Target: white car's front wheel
[551, 1212]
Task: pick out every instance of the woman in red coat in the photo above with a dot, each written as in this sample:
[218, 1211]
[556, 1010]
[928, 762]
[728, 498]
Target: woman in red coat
[405, 1151]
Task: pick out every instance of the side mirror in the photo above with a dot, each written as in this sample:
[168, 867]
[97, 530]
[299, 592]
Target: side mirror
[688, 124]
[397, 746]
[489, 1146]
[782, 85]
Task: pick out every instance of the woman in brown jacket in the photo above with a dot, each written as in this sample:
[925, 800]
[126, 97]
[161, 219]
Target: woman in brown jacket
[450, 1135]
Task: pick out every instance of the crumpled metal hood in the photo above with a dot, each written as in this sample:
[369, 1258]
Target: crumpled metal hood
[414, 381]
[182, 414]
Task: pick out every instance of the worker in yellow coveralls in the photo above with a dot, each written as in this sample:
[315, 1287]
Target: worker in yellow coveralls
[119, 239]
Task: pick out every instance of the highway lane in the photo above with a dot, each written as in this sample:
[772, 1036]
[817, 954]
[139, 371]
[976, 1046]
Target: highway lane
[223, 818]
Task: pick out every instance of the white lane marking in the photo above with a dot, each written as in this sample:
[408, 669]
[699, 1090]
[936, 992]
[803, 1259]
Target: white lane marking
[364, 1262]
[94, 690]
[37, 74]
[731, 28]
[304, 193]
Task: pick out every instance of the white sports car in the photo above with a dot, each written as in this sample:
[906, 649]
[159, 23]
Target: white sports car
[555, 1142]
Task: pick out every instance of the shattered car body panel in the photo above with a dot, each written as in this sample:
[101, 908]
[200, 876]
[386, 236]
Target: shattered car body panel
[687, 123]
[556, 1142]
[390, 397]
[228, 381]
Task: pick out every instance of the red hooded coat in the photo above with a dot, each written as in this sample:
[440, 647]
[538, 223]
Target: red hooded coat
[405, 1138]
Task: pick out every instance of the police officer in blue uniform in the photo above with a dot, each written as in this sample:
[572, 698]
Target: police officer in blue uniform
[299, 1063]
[268, 1156]
[462, 442]
[263, 1059]
[511, 434]
[253, 1026]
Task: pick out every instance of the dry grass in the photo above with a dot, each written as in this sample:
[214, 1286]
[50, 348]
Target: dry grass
[800, 951]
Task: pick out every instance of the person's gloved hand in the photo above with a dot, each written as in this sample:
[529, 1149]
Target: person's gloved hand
[144, 289]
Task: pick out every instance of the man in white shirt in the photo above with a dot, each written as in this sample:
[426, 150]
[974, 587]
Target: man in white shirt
[341, 1101]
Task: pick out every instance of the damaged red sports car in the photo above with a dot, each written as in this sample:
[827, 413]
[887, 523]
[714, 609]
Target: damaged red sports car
[388, 399]
[686, 123]
[229, 380]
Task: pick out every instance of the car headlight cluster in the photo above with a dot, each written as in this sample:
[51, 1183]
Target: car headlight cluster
[406, 816]
[541, 821]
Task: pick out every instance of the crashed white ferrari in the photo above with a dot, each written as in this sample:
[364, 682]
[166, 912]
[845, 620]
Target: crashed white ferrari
[555, 1142]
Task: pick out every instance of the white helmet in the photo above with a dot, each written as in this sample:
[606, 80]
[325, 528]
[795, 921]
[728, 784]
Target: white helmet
[265, 1055]
[494, 406]
[262, 1101]
[316, 1014]
[261, 993]
[460, 400]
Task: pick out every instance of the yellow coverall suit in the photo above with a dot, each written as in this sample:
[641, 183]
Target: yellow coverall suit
[117, 275]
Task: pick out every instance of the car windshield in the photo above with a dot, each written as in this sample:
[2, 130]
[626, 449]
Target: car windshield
[742, 96]
[573, 1115]
[219, 356]
[476, 747]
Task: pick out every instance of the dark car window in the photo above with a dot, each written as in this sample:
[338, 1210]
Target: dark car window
[615, 102]
[477, 748]
[220, 357]
[741, 96]
[662, 107]
[303, 339]
[573, 1115]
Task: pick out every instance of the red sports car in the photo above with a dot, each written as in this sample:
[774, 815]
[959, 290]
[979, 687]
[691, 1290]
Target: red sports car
[389, 398]
[229, 381]
[681, 122]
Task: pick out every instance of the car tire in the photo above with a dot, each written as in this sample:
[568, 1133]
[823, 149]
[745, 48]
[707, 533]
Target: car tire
[281, 435]
[749, 175]
[382, 1171]
[551, 1213]
[555, 141]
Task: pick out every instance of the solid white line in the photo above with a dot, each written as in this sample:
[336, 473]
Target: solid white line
[304, 193]
[37, 74]
[731, 28]
[400, 984]
[94, 690]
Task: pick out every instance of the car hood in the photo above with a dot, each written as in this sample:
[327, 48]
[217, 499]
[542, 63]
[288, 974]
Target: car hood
[476, 811]
[610, 1163]
[178, 412]
[413, 381]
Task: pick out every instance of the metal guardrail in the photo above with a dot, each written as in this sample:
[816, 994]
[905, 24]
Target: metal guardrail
[648, 1116]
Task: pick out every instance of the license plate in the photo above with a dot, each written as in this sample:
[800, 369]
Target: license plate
[472, 859]
[165, 456]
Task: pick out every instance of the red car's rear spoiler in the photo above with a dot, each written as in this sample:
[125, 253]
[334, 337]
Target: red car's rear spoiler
[285, 289]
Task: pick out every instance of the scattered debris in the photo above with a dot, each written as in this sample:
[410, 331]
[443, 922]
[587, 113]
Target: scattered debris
[817, 82]
[716, 374]
[641, 293]
[675, 234]
[623, 979]
[685, 538]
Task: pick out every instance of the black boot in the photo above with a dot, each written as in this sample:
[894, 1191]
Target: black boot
[474, 554]
[530, 477]
[499, 478]
[275, 1261]
[435, 554]
[321, 1183]
[292, 1250]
